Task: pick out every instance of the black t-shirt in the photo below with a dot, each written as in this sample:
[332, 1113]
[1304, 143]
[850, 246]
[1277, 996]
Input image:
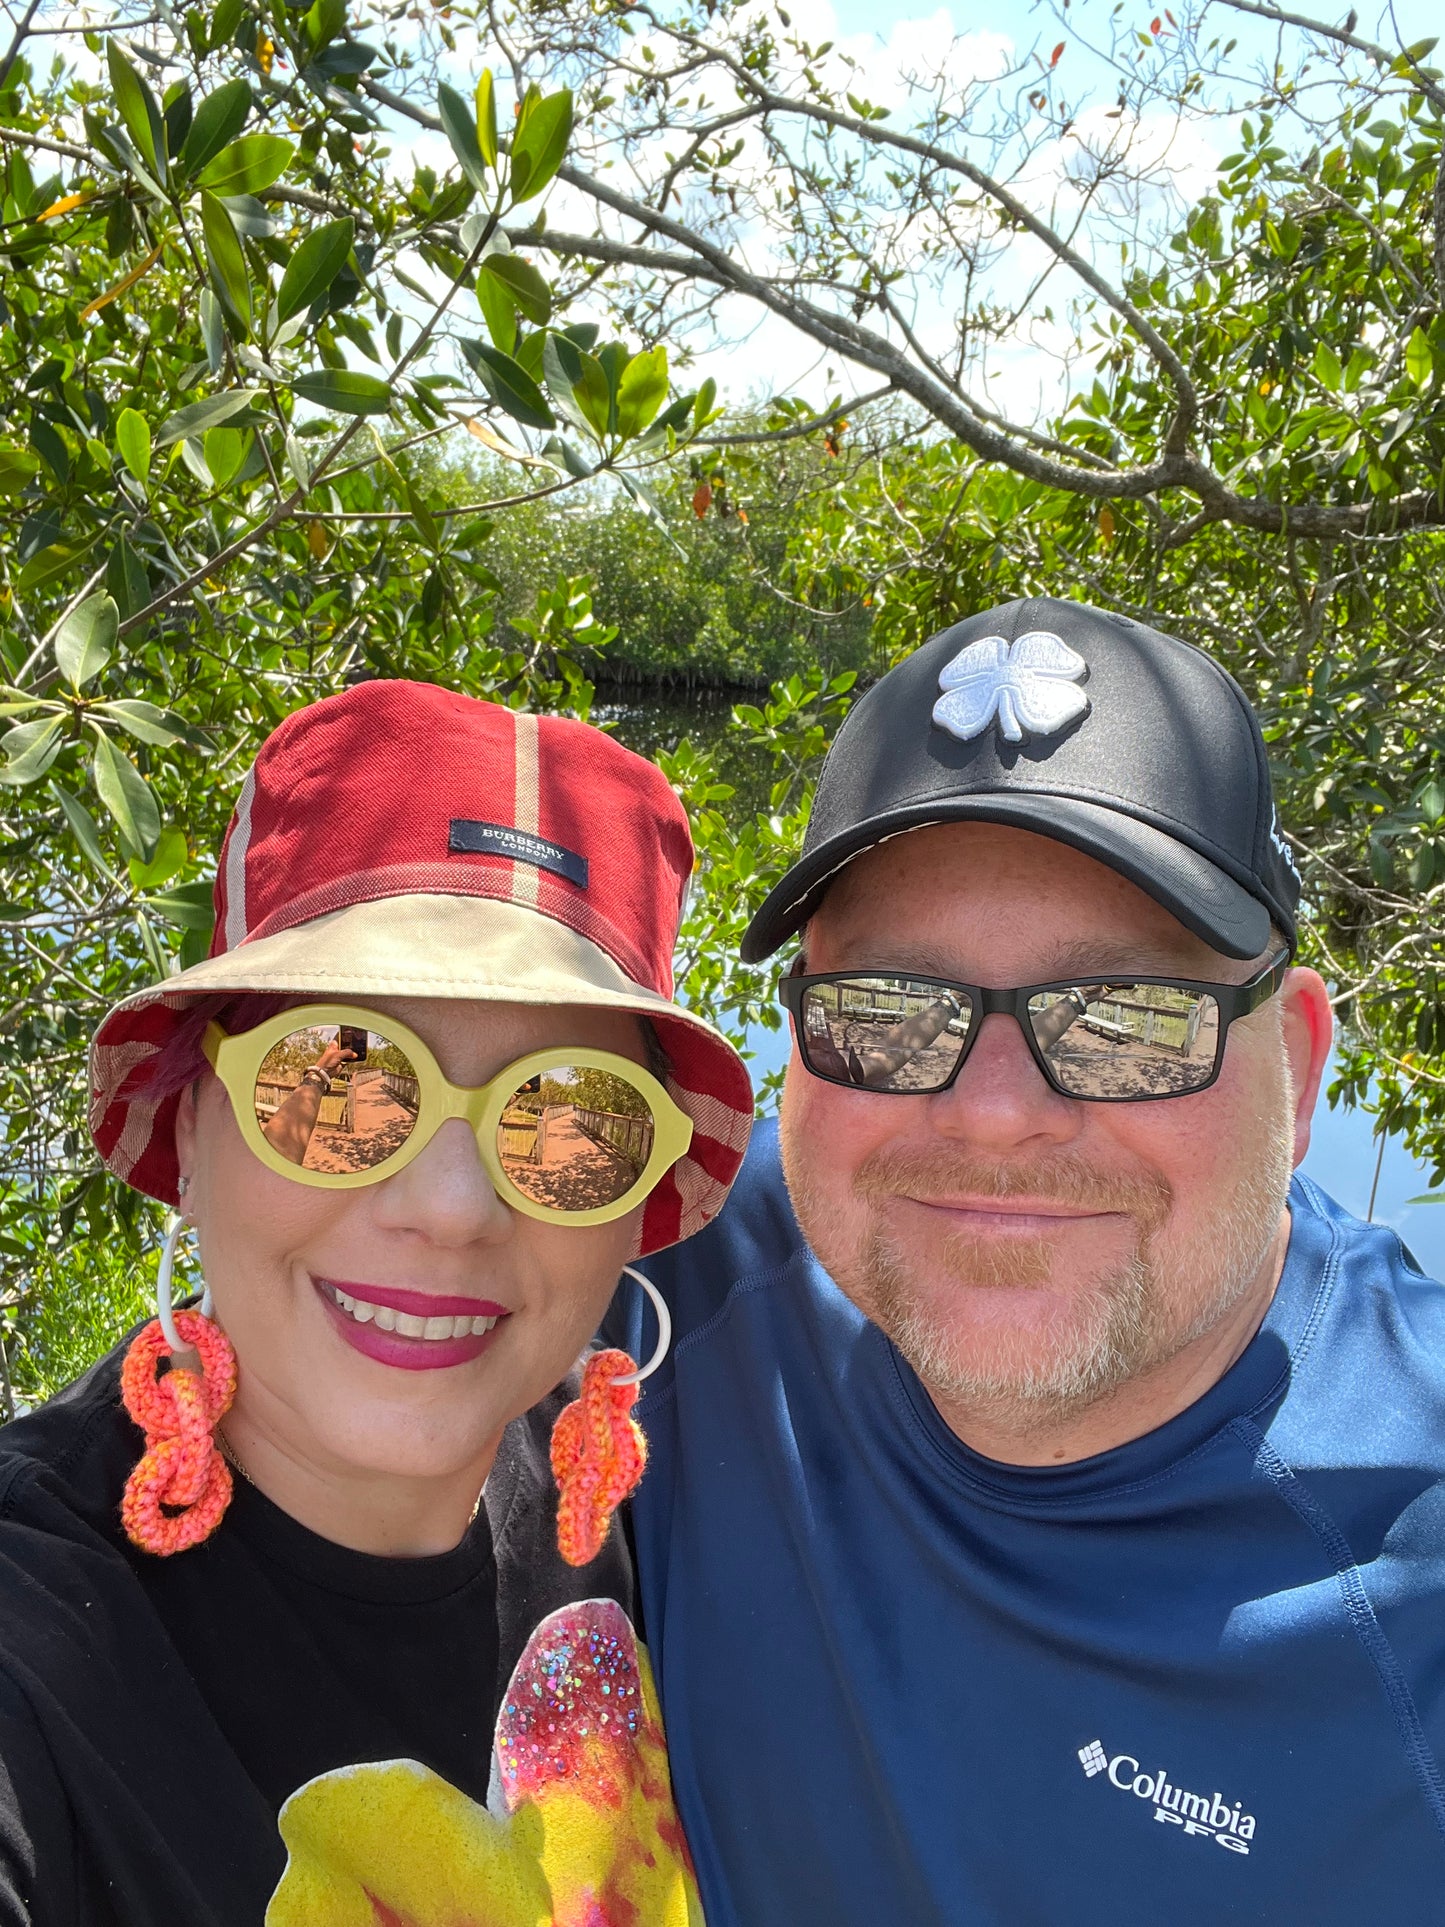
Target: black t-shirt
[156, 1713]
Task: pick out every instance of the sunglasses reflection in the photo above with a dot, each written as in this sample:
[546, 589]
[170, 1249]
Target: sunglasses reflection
[1133, 1040]
[1099, 1040]
[881, 1036]
[575, 1137]
[336, 1099]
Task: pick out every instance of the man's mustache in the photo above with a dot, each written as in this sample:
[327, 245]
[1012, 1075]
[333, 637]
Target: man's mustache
[1061, 1179]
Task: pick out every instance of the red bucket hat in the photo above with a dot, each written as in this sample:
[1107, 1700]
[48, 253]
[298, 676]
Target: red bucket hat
[401, 840]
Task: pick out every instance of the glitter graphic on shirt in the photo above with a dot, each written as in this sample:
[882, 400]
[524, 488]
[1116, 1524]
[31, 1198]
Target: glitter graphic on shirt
[581, 1830]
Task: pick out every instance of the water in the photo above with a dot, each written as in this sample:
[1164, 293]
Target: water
[653, 720]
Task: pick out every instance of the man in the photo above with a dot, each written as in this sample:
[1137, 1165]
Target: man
[1045, 1522]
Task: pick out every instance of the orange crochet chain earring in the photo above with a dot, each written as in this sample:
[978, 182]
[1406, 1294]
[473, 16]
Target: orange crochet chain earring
[599, 1452]
[179, 1491]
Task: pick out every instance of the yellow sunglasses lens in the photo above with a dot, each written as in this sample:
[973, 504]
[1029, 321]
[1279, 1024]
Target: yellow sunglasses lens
[574, 1137]
[336, 1098]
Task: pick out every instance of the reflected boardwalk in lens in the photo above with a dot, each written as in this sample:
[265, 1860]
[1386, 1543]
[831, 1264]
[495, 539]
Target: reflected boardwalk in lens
[913, 1046]
[380, 1122]
[1114, 1050]
[568, 1167]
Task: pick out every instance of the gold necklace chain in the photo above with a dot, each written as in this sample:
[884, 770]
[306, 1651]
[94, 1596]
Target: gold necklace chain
[232, 1457]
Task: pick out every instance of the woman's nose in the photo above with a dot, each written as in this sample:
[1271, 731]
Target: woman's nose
[445, 1194]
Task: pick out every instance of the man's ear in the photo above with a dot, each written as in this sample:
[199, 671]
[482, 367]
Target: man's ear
[1309, 1028]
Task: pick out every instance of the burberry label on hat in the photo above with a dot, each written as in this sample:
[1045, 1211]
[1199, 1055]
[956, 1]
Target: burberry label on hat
[1028, 685]
[500, 839]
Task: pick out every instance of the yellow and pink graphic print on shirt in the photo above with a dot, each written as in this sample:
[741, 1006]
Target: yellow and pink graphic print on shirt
[581, 1830]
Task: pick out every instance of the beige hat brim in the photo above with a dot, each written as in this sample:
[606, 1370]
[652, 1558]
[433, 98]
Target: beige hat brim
[424, 946]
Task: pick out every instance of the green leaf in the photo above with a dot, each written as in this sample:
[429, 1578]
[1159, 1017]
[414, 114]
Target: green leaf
[126, 795]
[227, 262]
[509, 385]
[540, 143]
[127, 579]
[650, 506]
[16, 469]
[83, 828]
[499, 311]
[137, 107]
[219, 118]
[52, 563]
[31, 749]
[461, 131]
[133, 441]
[344, 391]
[1326, 366]
[577, 385]
[487, 118]
[324, 22]
[225, 450]
[154, 725]
[192, 906]
[526, 286]
[213, 330]
[612, 358]
[314, 266]
[1419, 363]
[86, 640]
[247, 165]
[641, 391]
[674, 418]
[198, 416]
[171, 854]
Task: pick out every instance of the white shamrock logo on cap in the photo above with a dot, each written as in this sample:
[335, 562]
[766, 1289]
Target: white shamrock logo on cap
[1027, 684]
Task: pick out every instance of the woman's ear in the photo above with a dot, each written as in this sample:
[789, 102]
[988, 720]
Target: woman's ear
[186, 1136]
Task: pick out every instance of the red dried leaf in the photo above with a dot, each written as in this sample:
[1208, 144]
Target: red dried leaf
[702, 499]
[1054, 56]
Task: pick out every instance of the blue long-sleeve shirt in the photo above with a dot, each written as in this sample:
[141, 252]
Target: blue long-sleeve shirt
[1197, 1679]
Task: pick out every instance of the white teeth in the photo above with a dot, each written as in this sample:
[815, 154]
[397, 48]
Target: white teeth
[406, 1322]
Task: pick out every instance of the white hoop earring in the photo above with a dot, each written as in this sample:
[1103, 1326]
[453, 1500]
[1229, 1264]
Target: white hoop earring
[165, 1311]
[664, 1329]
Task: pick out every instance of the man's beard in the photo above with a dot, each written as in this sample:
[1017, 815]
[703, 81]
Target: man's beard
[1113, 1327]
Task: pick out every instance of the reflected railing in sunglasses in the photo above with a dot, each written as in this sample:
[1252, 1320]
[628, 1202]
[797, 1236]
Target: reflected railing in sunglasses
[1098, 1040]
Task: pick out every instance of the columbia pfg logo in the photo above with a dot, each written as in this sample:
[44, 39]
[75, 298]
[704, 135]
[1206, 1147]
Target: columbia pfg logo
[1210, 1817]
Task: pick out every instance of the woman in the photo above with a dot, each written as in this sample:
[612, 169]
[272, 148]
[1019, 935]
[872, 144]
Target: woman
[421, 1104]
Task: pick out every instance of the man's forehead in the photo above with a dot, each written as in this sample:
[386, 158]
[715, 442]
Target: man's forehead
[951, 899]
[1049, 961]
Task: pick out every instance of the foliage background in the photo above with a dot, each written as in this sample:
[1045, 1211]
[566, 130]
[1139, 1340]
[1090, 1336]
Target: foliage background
[321, 363]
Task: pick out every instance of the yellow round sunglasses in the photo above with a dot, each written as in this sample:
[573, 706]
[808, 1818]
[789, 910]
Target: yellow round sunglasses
[336, 1096]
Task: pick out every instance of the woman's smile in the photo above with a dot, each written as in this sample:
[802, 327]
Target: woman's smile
[412, 1330]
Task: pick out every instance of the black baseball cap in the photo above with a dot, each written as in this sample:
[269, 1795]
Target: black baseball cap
[1078, 724]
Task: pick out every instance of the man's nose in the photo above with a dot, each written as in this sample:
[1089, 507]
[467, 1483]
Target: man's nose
[445, 1195]
[1001, 1098]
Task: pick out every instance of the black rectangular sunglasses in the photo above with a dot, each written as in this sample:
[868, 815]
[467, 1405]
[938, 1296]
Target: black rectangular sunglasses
[1125, 1041]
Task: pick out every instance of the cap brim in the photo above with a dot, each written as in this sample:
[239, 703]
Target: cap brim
[471, 948]
[1205, 898]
